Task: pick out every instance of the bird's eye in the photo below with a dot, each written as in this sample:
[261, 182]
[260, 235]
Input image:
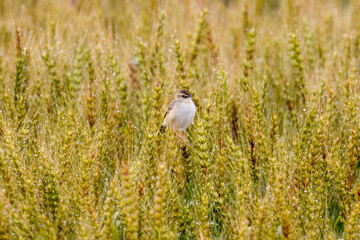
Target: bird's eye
[184, 96]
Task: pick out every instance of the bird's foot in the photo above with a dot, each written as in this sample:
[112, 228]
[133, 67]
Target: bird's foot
[181, 138]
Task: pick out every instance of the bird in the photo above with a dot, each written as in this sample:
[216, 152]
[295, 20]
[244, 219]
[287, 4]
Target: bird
[180, 113]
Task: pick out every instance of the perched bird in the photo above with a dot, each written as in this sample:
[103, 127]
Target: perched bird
[180, 114]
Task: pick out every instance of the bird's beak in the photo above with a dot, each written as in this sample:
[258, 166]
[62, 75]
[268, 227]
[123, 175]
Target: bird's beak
[191, 95]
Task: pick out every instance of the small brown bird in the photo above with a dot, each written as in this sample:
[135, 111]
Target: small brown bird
[180, 114]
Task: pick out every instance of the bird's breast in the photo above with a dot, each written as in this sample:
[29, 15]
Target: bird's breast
[182, 115]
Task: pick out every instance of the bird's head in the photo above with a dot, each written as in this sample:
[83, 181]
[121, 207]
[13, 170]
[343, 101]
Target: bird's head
[184, 95]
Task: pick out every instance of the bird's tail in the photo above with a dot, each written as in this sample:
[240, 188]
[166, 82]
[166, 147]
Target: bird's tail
[162, 128]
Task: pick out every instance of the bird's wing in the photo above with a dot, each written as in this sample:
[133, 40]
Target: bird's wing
[171, 106]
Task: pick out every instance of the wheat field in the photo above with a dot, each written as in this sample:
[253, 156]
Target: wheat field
[274, 150]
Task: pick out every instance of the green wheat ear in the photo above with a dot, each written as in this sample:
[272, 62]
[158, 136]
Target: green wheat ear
[129, 205]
